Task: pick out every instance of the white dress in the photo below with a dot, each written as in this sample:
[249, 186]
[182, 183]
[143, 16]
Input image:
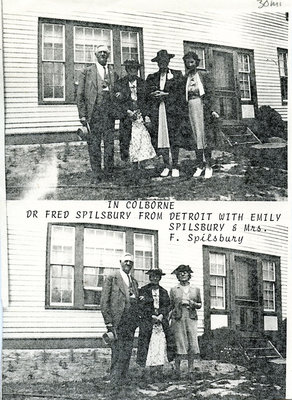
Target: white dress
[140, 146]
[157, 351]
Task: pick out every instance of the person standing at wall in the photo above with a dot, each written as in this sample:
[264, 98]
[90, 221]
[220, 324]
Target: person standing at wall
[165, 114]
[185, 299]
[119, 307]
[95, 107]
[198, 91]
[130, 93]
[154, 342]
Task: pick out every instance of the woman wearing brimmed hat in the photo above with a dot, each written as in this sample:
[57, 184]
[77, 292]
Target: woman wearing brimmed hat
[154, 345]
[130, 93]
[185, 299]
[165, 113]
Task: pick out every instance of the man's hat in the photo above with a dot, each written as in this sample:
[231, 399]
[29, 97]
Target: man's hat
[182, 268]
[108, 337]
[84, 132]
[157, 271]
[132, 63]
[162, 54]
[102, 47]
[127, 257]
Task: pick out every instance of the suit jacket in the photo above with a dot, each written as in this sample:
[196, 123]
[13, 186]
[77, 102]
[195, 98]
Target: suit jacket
[176, 294]
[125, 102]
[90, 88]
[173, 79]
[115, 298]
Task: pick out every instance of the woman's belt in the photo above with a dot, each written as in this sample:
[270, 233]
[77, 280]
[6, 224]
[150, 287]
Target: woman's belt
[192, 96]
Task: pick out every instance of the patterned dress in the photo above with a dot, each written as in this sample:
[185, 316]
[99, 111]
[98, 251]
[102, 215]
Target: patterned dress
[140, 146]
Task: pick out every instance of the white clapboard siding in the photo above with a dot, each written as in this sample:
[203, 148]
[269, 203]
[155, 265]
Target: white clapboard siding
[26, 315]
[261, 32]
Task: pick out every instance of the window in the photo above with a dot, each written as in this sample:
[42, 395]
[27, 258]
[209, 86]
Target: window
[217, 280]
[53, 62]
[66, 47]
[244, 76]
[283, 71]
[80, 256]
[269, 279]
[62, 256]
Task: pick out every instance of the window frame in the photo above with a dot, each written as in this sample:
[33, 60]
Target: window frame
[283, 78]
[69, 51]
[273, 282]
[78, 267]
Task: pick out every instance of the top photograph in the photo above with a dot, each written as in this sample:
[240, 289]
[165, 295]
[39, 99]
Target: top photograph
[103, 105]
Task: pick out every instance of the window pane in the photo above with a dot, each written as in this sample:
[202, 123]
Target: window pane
[143, 251]
[129, 46]
[217, 280]
[103, 248]
[62, 245]
[87, 39]
[61, 283]
[53, 42]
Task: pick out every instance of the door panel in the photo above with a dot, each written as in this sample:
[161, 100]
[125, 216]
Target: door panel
[226, 96]
[247, 307]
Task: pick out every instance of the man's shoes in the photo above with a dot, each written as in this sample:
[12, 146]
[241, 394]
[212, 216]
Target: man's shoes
[208, 173]
[198, 172]
[175, 173]
[164, 173]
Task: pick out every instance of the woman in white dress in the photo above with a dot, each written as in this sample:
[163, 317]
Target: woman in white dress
[130, 94]
[154, 344]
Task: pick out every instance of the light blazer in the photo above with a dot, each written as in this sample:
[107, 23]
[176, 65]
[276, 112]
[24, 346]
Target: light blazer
[176, 294]
[115, 298]
[90, 87]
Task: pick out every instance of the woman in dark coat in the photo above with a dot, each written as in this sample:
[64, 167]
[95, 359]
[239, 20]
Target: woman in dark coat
[154, 343]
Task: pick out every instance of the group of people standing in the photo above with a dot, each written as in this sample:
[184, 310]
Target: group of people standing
[153, 114]
[167, 322]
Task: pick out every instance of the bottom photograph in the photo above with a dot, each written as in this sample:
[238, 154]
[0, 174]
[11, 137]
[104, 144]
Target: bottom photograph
[187, 304]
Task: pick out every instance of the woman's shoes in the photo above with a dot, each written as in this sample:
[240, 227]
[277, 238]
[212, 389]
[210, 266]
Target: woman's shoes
[207, 175]
[164, 173]
[198, 172]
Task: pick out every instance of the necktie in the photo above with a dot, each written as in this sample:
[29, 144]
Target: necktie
[105, 79]
[133, 91]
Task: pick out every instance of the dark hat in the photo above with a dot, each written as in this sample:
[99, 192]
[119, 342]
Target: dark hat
[157, 271]
[162, 54]
[192, 54]
[132, 63]
[84, 132]
[182, 268]
[108, 337]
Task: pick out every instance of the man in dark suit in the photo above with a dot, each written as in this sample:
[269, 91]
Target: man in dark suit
[119, 307]
[95, 107]
[165, 115]
[130, 93]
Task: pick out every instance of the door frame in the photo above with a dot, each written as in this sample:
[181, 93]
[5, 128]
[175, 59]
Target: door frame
[229, 309]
